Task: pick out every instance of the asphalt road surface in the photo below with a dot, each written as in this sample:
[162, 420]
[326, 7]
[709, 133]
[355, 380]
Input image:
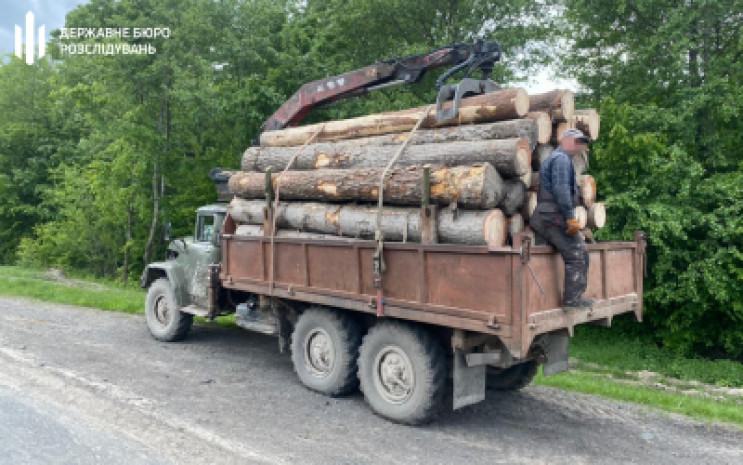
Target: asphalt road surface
[86, 386]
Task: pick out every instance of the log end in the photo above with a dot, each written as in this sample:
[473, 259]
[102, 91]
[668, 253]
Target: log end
[589, 122]
[521, 102]
[582, 216]
[567, 101]
[523, 157]
[588, 189]
[597, 215]
[544, 125]
[495, 229]
[515, 224]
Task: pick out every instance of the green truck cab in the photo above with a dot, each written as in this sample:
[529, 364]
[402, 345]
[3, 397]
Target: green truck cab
[178, 288]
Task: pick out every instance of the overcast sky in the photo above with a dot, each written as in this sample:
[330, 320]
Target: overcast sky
[51, 13]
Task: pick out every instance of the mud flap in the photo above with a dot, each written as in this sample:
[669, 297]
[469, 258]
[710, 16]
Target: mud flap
[557, 351]
[469, 382]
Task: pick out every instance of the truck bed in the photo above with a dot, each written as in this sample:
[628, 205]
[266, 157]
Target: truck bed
[513, 292]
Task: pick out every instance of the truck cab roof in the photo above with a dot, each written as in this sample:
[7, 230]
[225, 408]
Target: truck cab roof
[211, 209]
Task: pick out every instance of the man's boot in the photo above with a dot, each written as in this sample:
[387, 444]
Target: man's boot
[580, 303]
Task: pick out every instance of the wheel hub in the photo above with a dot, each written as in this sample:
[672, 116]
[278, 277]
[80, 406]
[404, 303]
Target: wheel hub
[393, 375]
[162, 312]
[319, 354]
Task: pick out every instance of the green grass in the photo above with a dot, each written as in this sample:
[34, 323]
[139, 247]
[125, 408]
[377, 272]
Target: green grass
[105, 295]
[611, 348]
[727, 410]
[613, 353]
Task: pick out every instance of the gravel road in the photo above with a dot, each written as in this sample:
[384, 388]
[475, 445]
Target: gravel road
[80, 385]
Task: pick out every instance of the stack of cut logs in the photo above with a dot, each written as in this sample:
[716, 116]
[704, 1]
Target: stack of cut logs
[479, 172]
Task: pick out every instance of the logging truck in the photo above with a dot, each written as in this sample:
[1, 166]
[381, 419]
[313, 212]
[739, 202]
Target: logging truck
[414, 322]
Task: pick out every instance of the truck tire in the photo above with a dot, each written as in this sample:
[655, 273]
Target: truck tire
[164, 319]
[325, 350]
[512, 378]
[402, 371]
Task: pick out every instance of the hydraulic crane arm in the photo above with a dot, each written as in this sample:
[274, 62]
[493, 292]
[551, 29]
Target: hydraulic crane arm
[481, 55]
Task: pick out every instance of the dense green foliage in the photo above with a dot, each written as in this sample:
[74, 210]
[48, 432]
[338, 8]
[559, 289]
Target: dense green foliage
[97, 152]
[666, 77]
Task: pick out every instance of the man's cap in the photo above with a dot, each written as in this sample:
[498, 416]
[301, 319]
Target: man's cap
[575, 134]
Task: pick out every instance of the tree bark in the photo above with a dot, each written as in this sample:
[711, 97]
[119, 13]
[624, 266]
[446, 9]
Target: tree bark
[515, 224]
[543, 124]
[588, 189]
[541, 153]
[511, 157]
[597, 215]
[257, 230]
[559, 128]
[477, 227]
[468, 186]
[526, 178]
[580, 163]
[509, 129]
[515, 193]
[535, 181]
[530, 204]
[559, 104]
[494, 106]
[589, 122]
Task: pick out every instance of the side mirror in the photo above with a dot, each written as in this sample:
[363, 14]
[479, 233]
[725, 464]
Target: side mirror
[166, 232]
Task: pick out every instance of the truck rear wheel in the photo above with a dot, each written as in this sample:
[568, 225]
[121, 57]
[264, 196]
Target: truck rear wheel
[164, 319]
[325, 348]
[402, 371]
[512, 378]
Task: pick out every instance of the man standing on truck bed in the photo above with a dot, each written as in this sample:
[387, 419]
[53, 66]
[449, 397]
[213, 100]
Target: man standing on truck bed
[554, 218]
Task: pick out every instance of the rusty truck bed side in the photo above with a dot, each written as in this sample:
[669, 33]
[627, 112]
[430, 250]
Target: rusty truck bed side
[513, 292]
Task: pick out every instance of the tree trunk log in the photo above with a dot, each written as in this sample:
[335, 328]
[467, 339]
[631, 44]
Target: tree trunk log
[526, 178]
[515, 224]
[510, 129]
[541, 153]
[597, 215]
[515, 194]
[535, 181]
[589, 122]
[580, 163]
[543, 124]
[468, 186]
[581, 215]
[530, 204]
[494, 106]
[559, 129]
[257, 230]
[588, 189]
[511, 157]
[559, 104]
[480, 227]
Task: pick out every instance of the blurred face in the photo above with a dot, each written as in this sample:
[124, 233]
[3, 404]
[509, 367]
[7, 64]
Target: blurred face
[573, 146]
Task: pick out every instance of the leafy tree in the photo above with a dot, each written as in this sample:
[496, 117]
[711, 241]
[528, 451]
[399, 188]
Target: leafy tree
[26, 141]
[667, 79]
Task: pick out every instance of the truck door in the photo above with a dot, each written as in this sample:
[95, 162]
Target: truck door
[207, 250]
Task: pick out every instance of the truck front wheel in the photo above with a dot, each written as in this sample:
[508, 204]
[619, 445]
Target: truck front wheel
[402, 371]
[325, 348]
[164, 319]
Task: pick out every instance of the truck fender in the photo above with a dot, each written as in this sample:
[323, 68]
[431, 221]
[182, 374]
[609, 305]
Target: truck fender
[174, 274]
